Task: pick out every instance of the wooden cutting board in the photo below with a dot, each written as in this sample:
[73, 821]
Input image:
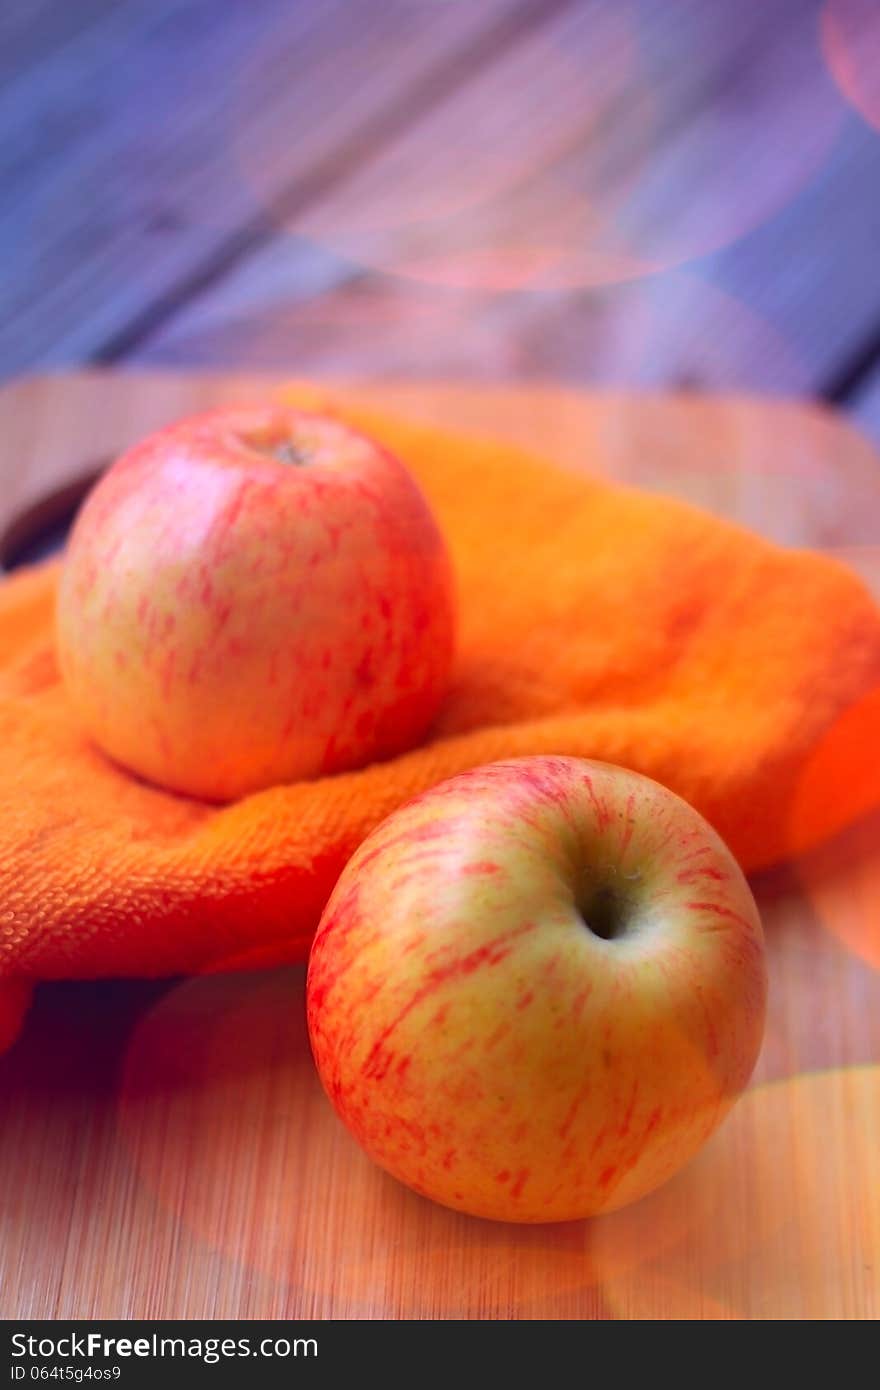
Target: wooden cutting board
[166, 1150]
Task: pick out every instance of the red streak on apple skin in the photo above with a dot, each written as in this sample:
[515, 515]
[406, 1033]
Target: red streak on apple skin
[481, 866]
[448, 1158]
[489, 954]
[721, 912]
[497, 1035]
[566, 1158]
[364, 670]
[629, 827]
[702, 871]
[519, 1184]
[231, 512]
[577, 1005]
[598, 1142]
[653, 1120]
[696, 853]
[575, 1106]
[418, 857]
[434, 830]
[525, 999]
[627, 1119]
[607, 1174]
[503, 1176]
[603, 815]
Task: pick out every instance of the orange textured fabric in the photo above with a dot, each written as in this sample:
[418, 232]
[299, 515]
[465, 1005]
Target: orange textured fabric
[594, 620]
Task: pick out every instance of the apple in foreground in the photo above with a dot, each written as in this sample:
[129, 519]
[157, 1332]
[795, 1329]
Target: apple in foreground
[255, 596]
[537, 989]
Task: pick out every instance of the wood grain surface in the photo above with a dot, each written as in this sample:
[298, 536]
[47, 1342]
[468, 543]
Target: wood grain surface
[128, 144]
[423, 189]
[603, 142]
[867, 406]
[165, 1148]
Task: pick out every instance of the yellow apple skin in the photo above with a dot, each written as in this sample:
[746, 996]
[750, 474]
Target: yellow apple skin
[491, 1050]
[251, 597]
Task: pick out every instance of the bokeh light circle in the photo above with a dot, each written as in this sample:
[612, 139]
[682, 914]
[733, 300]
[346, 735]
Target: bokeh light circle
[608, 143]
[850, 32]
[841, 882]
[789, 1201]
[223, 1118]
[224, 1121]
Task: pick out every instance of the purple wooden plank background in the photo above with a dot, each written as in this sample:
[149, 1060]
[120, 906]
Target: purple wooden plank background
[417, 188]
[122, 163]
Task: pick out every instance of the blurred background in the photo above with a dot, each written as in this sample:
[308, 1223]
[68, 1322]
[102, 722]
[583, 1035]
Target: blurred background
[636, 193]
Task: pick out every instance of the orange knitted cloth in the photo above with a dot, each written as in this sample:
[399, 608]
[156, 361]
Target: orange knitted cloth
[594, 620]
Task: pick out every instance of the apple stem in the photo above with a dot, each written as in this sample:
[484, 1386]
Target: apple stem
[286, 452]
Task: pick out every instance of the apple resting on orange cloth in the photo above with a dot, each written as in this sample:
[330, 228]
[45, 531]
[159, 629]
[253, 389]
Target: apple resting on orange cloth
[594, 620]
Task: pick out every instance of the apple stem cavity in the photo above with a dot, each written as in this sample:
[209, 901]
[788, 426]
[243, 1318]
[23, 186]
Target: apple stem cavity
[604, 911]
[287, 452]
[281, 450]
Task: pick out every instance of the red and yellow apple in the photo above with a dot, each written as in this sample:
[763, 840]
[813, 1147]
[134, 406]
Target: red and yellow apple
[537, 989]
[255, 596]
